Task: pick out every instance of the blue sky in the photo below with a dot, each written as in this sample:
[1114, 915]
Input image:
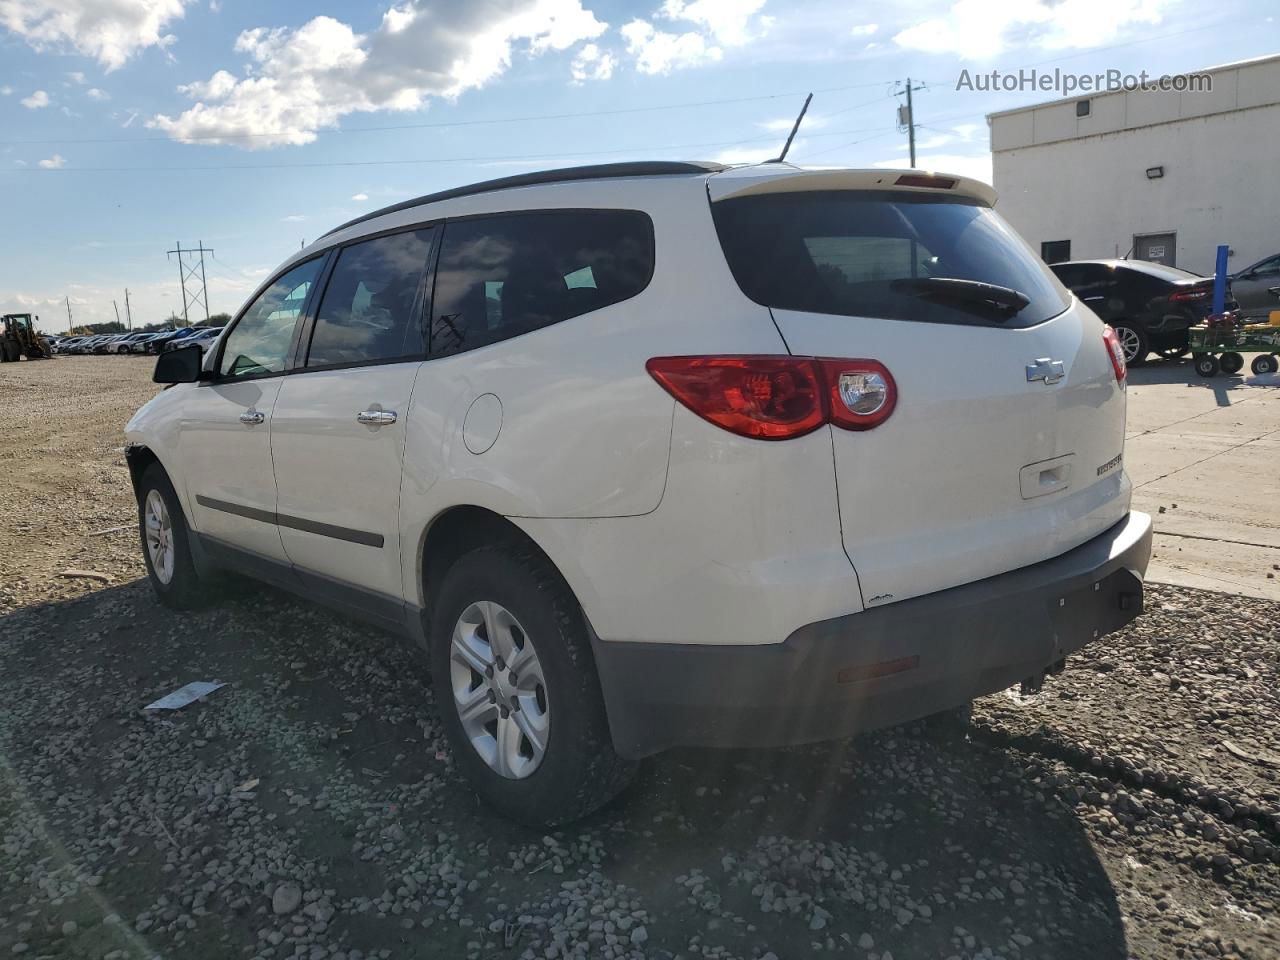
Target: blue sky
[127, 125]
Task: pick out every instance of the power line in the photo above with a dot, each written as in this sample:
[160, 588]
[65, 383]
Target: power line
[429, 160]
[451, 123]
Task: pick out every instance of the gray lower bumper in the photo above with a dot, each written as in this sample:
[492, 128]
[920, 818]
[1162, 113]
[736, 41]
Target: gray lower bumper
[880, 667]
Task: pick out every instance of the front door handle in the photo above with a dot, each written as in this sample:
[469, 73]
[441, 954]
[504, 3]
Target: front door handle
[252, 417]
[377, 418]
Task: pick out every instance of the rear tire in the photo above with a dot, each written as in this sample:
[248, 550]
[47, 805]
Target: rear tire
[1264, 364]
[1207, 365]
[1133, 341]
[166, 543]
[1232, 363]
[506, 600]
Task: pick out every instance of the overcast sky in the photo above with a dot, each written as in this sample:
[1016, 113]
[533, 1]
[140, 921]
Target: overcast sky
[129, 125]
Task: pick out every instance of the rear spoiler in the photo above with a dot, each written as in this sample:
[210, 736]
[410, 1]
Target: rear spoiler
[786, 178]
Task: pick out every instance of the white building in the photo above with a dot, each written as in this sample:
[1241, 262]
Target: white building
[1163, 176]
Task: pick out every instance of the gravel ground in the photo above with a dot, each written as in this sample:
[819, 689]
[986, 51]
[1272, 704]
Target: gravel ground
[311, 809]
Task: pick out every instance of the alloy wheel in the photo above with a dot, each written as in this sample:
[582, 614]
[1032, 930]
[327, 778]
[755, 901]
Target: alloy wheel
[1130, 343]
[499, 690]
[159, 536]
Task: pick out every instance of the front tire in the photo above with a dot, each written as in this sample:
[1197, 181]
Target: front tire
[1232, 363]
[1133, 341]
[517, 691]
[166, 543]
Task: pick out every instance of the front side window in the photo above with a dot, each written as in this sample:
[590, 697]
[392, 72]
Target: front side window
[372, 305]
[883, 254]
[260, 342]
[499, 277]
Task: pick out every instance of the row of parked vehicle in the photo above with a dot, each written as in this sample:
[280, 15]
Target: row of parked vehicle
[154, 342]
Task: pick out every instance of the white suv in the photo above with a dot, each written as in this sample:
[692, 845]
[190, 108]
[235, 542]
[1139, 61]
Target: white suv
[656, 454]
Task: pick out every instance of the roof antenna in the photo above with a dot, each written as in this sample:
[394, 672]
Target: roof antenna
[792, 135]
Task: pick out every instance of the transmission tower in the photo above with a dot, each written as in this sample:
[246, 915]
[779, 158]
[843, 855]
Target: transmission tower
[193, 293]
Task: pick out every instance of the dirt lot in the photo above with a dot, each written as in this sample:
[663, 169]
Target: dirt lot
[310, 807]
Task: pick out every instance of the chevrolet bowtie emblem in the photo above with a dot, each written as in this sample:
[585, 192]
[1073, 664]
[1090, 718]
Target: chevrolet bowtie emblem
[1050, 371]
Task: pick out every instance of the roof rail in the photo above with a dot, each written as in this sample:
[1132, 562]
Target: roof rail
[599, 171]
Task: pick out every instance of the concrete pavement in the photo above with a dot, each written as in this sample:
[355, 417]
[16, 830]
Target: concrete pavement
[1204, 456]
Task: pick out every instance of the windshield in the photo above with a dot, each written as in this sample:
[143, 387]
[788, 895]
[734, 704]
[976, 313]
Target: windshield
[847, 252]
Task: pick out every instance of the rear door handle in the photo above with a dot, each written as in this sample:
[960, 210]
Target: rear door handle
[252, 417]
[378, 418]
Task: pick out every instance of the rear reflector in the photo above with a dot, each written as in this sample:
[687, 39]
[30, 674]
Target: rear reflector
[925, 180]
[885, 668]
[1115, 352]
[769, 397]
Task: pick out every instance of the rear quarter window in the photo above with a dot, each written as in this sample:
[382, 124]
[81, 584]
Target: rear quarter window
[501, 276]
[840, 252]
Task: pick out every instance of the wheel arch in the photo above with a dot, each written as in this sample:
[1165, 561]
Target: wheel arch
[139, 457]
[459, 528]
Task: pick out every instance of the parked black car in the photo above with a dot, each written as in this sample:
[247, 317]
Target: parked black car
[1149, 305]
[1257, 287]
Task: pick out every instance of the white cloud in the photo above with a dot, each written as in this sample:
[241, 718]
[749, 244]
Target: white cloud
[294, 218]
[784, 124]
[56, 162]
[977, 166]
[76, 77]
[592, 63]
[36, 100]
[110, 31]
[717, 24]
[731, 22]
[6, 91]
[95, 94]
[865, 30]
[359, 197]
[301, 81]
[980, 29]
[656, 51]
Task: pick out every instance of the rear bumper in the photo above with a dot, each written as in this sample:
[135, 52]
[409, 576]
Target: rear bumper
[879, 667]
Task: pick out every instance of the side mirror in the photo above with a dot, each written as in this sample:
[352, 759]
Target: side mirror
[179, 366]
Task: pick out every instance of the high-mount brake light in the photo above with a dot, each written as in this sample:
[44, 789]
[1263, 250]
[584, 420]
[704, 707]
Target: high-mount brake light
[770, 397]
[1116, 353]
[925, 180]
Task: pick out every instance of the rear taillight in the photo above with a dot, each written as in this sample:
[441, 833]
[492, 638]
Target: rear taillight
[778, 397]
[1180, 296]
[1115, 352]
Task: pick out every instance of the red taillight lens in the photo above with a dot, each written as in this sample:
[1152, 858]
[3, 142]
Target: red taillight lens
[1182, 295]
[769, 398]
[778, 397]
[1116, 352]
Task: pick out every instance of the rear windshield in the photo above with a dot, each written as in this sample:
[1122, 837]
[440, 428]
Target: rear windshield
[848, 253]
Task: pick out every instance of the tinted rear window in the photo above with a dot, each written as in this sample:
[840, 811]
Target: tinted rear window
[841, 251]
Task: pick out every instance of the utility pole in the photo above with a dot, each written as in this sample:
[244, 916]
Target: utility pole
[197, 296]
[127, 312]
[68, 299]
[117, 310]
[907, 118]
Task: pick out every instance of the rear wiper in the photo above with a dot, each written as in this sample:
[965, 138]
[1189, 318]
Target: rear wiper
[969, 291]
